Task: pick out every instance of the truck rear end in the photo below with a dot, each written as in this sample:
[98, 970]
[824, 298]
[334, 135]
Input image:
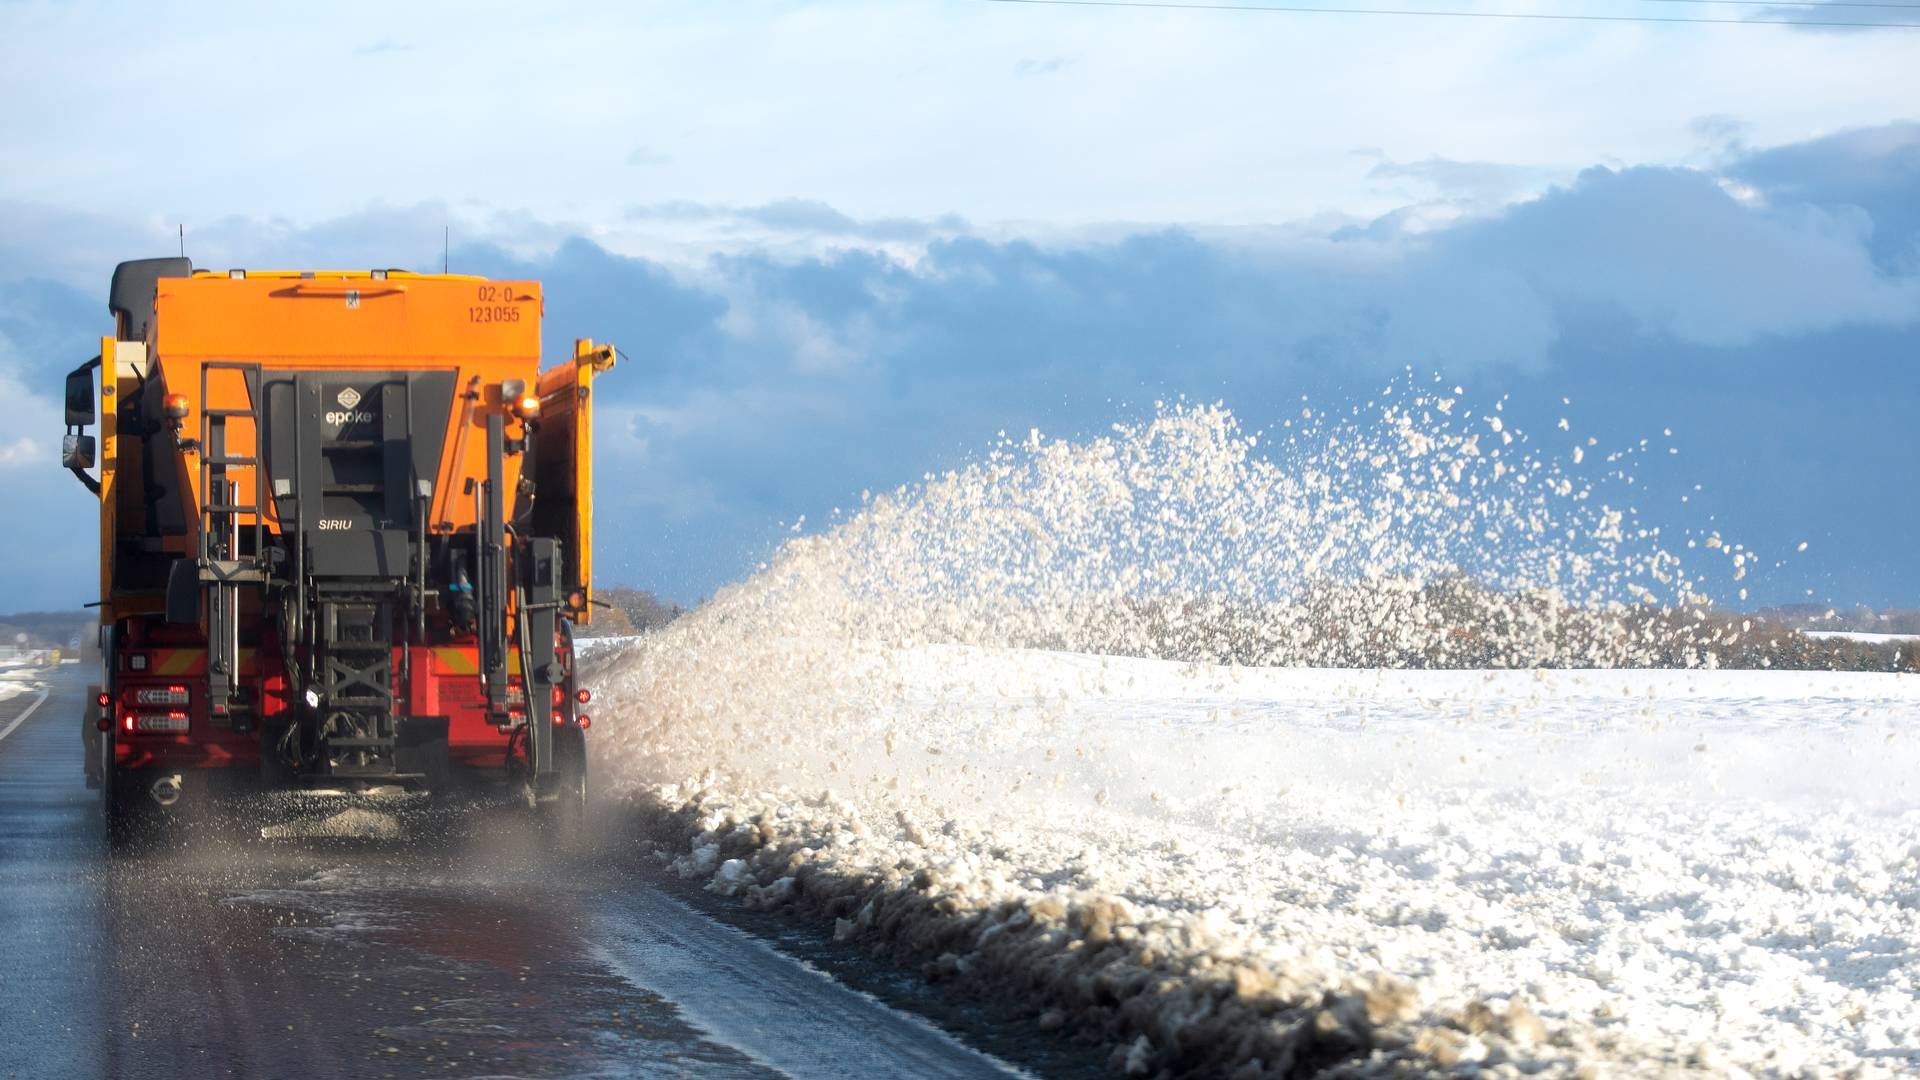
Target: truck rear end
[345, 535]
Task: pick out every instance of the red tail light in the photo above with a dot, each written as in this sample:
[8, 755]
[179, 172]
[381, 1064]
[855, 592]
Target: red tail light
[583, 695]
[585, 721]
[175, 721]
[105, 699]
[162, 695]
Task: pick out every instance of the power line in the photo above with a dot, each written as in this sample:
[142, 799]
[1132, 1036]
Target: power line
[1166, 5]
[1796, 3]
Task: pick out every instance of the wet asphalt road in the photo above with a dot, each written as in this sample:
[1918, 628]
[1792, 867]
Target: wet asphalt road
[470, 954]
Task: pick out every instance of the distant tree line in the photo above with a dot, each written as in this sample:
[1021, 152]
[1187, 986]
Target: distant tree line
[36, 630]
[1457, 622]
[1856, 619]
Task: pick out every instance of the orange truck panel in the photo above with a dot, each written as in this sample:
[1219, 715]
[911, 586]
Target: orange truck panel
[416, 603]
[487, 332]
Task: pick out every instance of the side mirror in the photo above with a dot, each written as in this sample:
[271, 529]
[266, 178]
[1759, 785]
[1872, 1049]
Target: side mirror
[80, 397]
[76, 451]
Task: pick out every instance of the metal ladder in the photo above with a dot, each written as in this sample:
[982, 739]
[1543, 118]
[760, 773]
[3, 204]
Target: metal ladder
[224, 562]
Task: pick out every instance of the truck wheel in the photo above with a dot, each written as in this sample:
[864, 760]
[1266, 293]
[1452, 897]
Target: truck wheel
[275, 773]
[129, 812]
[564, 814]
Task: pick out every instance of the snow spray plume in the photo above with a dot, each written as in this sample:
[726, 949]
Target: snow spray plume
[1409, 534]
[863, 733]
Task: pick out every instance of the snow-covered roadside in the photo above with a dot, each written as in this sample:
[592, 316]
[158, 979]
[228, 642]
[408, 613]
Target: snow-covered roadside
[1639, 872]
[18, 679]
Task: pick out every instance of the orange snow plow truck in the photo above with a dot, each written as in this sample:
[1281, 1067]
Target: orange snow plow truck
[345, 535]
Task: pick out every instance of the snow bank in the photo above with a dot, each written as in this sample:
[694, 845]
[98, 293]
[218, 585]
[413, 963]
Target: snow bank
[16, 680]
[1254, 874]
[1295, 871]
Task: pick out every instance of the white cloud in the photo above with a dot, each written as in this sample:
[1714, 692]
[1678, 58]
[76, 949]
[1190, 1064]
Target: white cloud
[24, 453]
[885, 110]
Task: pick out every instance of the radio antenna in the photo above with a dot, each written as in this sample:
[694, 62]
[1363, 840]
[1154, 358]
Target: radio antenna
[183, 239]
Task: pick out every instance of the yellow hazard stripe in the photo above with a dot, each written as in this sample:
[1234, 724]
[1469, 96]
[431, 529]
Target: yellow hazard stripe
[456, 661]
[452, 660]
[178, 661]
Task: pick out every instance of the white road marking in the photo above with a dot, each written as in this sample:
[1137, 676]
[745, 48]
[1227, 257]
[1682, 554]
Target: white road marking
[22, 718]
[778, 1011]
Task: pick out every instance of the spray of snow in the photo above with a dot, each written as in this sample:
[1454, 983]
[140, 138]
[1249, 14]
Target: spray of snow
[1000, 722]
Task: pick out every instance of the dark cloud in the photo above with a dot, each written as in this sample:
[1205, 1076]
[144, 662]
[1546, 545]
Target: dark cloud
[47, 328]
[41, 320]
[1875, 171]
[54, 243]
[1765, 334]
[805, 217]
[1841, 17]
[668, 328]
[1675, 251]
[1775, 335]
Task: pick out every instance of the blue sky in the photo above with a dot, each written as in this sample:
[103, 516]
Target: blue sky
[844, 244]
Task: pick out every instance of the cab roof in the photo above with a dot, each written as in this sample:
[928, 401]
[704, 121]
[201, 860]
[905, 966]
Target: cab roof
[239, 273]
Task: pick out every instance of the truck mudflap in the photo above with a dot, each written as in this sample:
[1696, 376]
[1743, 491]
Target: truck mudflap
[94, 721]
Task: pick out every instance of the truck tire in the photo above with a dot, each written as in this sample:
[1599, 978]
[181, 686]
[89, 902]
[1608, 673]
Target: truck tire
[275, 773]
[128, 811]
[564, 813]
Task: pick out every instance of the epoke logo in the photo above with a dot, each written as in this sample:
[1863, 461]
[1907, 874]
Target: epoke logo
[347, 414]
